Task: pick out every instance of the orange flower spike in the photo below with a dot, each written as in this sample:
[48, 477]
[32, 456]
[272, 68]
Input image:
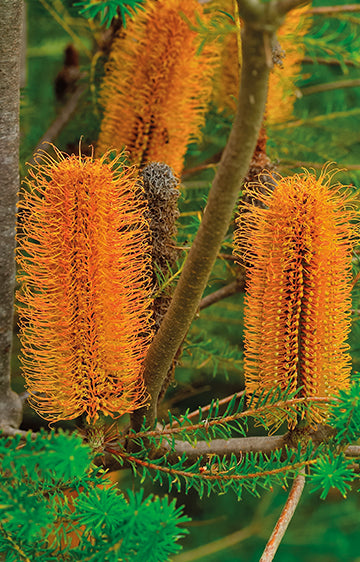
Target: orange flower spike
[85, 307]
[227, 77]
[297, 311]
[282, 82]
[282, 92]
[158, 85]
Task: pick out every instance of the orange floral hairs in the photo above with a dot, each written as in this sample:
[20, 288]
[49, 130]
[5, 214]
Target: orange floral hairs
[282, 82]
[298, 245]
[282, 92]
[84, 302]
[157, 85]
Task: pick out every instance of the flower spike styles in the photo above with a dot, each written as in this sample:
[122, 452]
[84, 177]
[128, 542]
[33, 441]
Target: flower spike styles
[283, 91]
[298, 245]
[158, 84]
[85, 307]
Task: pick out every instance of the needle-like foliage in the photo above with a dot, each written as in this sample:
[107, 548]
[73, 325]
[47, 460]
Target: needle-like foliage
[107, 10]
[41, 481]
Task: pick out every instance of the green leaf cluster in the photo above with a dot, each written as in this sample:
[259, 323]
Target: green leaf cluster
[51, 494]
[346, 414]
[332, 471]
[107, 10]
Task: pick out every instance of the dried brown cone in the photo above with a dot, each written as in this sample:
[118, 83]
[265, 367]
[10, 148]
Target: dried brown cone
[162, 193]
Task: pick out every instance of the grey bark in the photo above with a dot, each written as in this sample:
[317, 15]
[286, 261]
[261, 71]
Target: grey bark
[10, 56]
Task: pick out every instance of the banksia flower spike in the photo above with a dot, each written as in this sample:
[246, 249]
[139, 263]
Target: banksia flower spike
[227, 77]
[282, 82]
[85, 307]
[157, 86]
[287, 56]
[297, 311]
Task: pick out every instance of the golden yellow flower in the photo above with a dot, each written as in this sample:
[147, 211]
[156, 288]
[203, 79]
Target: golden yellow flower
[84, 266]
[297, 307]
[282, 82]
[282, 92]
[157, 86]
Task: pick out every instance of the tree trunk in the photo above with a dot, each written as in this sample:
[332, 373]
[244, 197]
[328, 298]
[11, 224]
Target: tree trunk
[10, 51]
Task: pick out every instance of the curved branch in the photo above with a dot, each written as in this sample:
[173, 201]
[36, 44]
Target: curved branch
[335, 9]
[284, 519]
[328, 86]
[227, 447]
[222, 199]
[59, 123]
[222, 293]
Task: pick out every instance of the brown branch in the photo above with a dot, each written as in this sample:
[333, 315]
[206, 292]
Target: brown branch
[334, 9]
[284, 519]
[339, 84]
[221, 201]
[226, 419]
[234, 446]
[59, 123]
[321, 60]
[213, 476]
[11, 432]
[315, 165]
[237, 286]
[227, 447]
[352, 451]
[206, 408]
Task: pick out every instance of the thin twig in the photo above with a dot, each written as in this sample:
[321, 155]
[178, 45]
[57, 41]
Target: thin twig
[334, 9]
[200, 168]
[315, 165]
[206, 408]
[338, 85]
[208, 474]
[11, 432]
[222, 293]
[317, 119]
[284, 519]
[356, 278]
[218, 545]
[56, 126]
[254, 411]
[332, 62]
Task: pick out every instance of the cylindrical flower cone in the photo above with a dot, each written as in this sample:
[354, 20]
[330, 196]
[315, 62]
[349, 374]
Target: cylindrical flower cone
[158, 85]
[84, 269]
[297, 307]
[282, 92]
